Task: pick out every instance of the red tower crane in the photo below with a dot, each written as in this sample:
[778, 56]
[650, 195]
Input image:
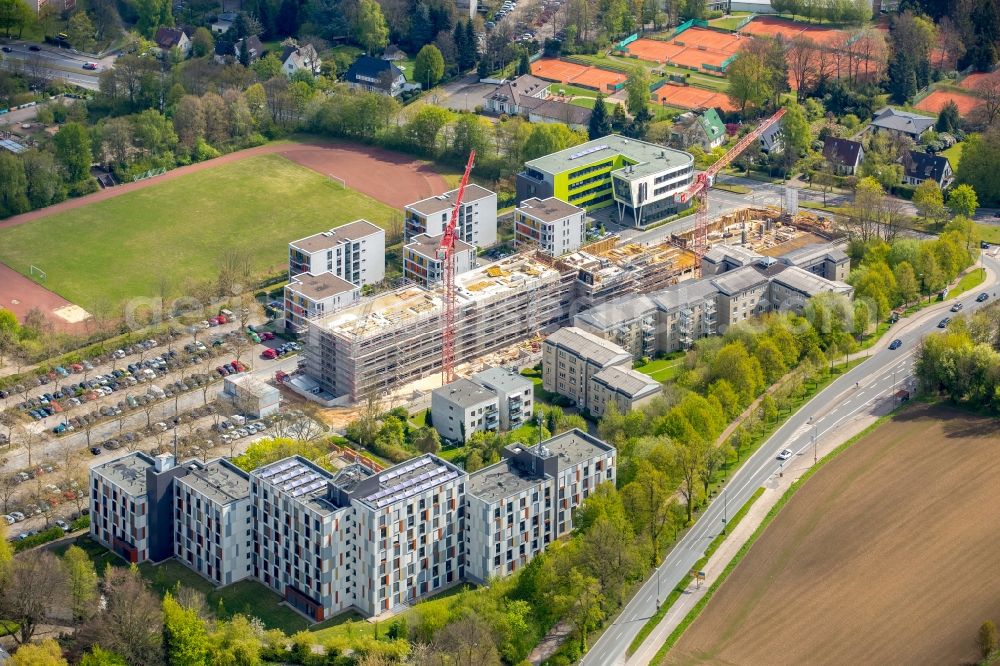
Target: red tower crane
[703, 181]
[446, 254]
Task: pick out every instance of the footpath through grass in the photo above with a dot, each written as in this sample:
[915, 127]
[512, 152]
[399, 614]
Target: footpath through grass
[745, 548]
[178, 230]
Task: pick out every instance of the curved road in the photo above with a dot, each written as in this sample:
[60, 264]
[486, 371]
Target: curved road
[840, 401]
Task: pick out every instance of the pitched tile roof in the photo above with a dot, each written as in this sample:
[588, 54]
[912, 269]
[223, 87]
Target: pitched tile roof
[842, 151]
[924, 165]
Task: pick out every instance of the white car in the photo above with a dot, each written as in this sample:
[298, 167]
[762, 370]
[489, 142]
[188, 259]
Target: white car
[785, 454]
[10, 519]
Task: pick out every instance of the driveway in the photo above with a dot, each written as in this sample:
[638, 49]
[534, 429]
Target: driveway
[463, 94]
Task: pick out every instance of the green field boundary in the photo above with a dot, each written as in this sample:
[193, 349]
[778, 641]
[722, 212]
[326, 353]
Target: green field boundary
[970, 280]
[678, 590]
[745, 548]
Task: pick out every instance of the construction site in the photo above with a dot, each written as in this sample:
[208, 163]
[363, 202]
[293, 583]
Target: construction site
[392, 342]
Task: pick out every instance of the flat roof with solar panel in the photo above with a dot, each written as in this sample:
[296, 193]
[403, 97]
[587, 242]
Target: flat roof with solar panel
[408, 479]
[301, 480]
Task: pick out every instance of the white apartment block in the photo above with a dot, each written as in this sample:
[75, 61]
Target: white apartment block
[571, 356]
[516, 507]
[477, 219]
[309, 295]
[555, 226]
[213, 531]
[422, 265]
[515, 395]
[462, 408]
[354, 252]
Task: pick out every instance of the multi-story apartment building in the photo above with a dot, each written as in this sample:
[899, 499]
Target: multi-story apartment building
[642, 179]
[515, 395]
[746, 285]
[131, 506]
[354, 252]
[308, 296]
[515, 508]
[624, 387]
[571, 356]
[477, 219]
[409, 519]
[463, 407]
[827, 261]
[555, 226]
[354, 539]
[422, 266]
[302, 537]
[212, 525]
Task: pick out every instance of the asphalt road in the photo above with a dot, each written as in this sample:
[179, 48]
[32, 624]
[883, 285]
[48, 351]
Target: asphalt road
[867, 385]
[56, 63]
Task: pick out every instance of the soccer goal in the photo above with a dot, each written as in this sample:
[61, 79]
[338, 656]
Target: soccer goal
[343, 183]
[36, 271]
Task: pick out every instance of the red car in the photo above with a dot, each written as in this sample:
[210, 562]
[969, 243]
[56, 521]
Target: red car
[221, 319]
[269, 354]
[267, 336]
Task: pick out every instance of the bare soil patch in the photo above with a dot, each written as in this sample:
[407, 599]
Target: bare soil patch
[888, 555]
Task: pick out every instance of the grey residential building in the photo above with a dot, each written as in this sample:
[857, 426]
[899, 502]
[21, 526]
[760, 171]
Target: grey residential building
[515, 508]
[625, 388]
[571, 356]
[463, 407]
[827, 260]
[212, 527]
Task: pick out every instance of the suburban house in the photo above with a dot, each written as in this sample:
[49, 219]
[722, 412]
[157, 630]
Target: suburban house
[172, 38]
[553, 111]
[224, 23]
[393, 53]
[901, 123]
[771, 139]
[843, 155]
[375, 75]
[510, 96]
[254, 48]
[694, 129]
[296, 58]
[918, 167]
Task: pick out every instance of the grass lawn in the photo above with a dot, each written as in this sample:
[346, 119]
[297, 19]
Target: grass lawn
[565, 88]
[662, 370]
[989, 233]
[177, 230]
[968, 281]
[954, 154]
[728, 22]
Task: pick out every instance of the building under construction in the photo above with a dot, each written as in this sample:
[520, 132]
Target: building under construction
[391, 339]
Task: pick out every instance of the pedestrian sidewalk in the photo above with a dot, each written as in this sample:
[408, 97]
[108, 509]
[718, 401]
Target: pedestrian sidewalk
[774, 488]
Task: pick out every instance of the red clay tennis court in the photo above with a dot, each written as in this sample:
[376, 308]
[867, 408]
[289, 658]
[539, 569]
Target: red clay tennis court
[768, 26]
[687, 97]
[654, 50]
[972, 81]
[939, 98]
[581, 75]
[726, 42]
[697, 48]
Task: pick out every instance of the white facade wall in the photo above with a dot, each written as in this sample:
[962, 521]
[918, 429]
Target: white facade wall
[118, 518]
[213, 538]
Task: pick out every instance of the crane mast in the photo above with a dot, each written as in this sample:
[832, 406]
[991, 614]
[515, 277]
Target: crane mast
[446, 254]
[703, 181]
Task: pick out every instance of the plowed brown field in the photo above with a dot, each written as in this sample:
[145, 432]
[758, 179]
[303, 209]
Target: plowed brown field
[888, 555]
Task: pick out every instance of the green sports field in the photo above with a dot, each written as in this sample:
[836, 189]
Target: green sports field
[178, 229]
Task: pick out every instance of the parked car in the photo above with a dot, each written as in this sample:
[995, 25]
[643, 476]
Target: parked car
[95, 450]
[269, 354]
[62, 524]
[10, 519]
[17, 516]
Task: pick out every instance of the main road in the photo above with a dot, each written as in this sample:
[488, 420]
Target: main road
[55, 63]
[872, 381]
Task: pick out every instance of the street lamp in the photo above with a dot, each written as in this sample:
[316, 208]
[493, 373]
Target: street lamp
[725, 510]
[814, 443]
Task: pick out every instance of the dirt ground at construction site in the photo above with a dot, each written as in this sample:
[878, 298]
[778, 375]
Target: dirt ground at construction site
[885, 556]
